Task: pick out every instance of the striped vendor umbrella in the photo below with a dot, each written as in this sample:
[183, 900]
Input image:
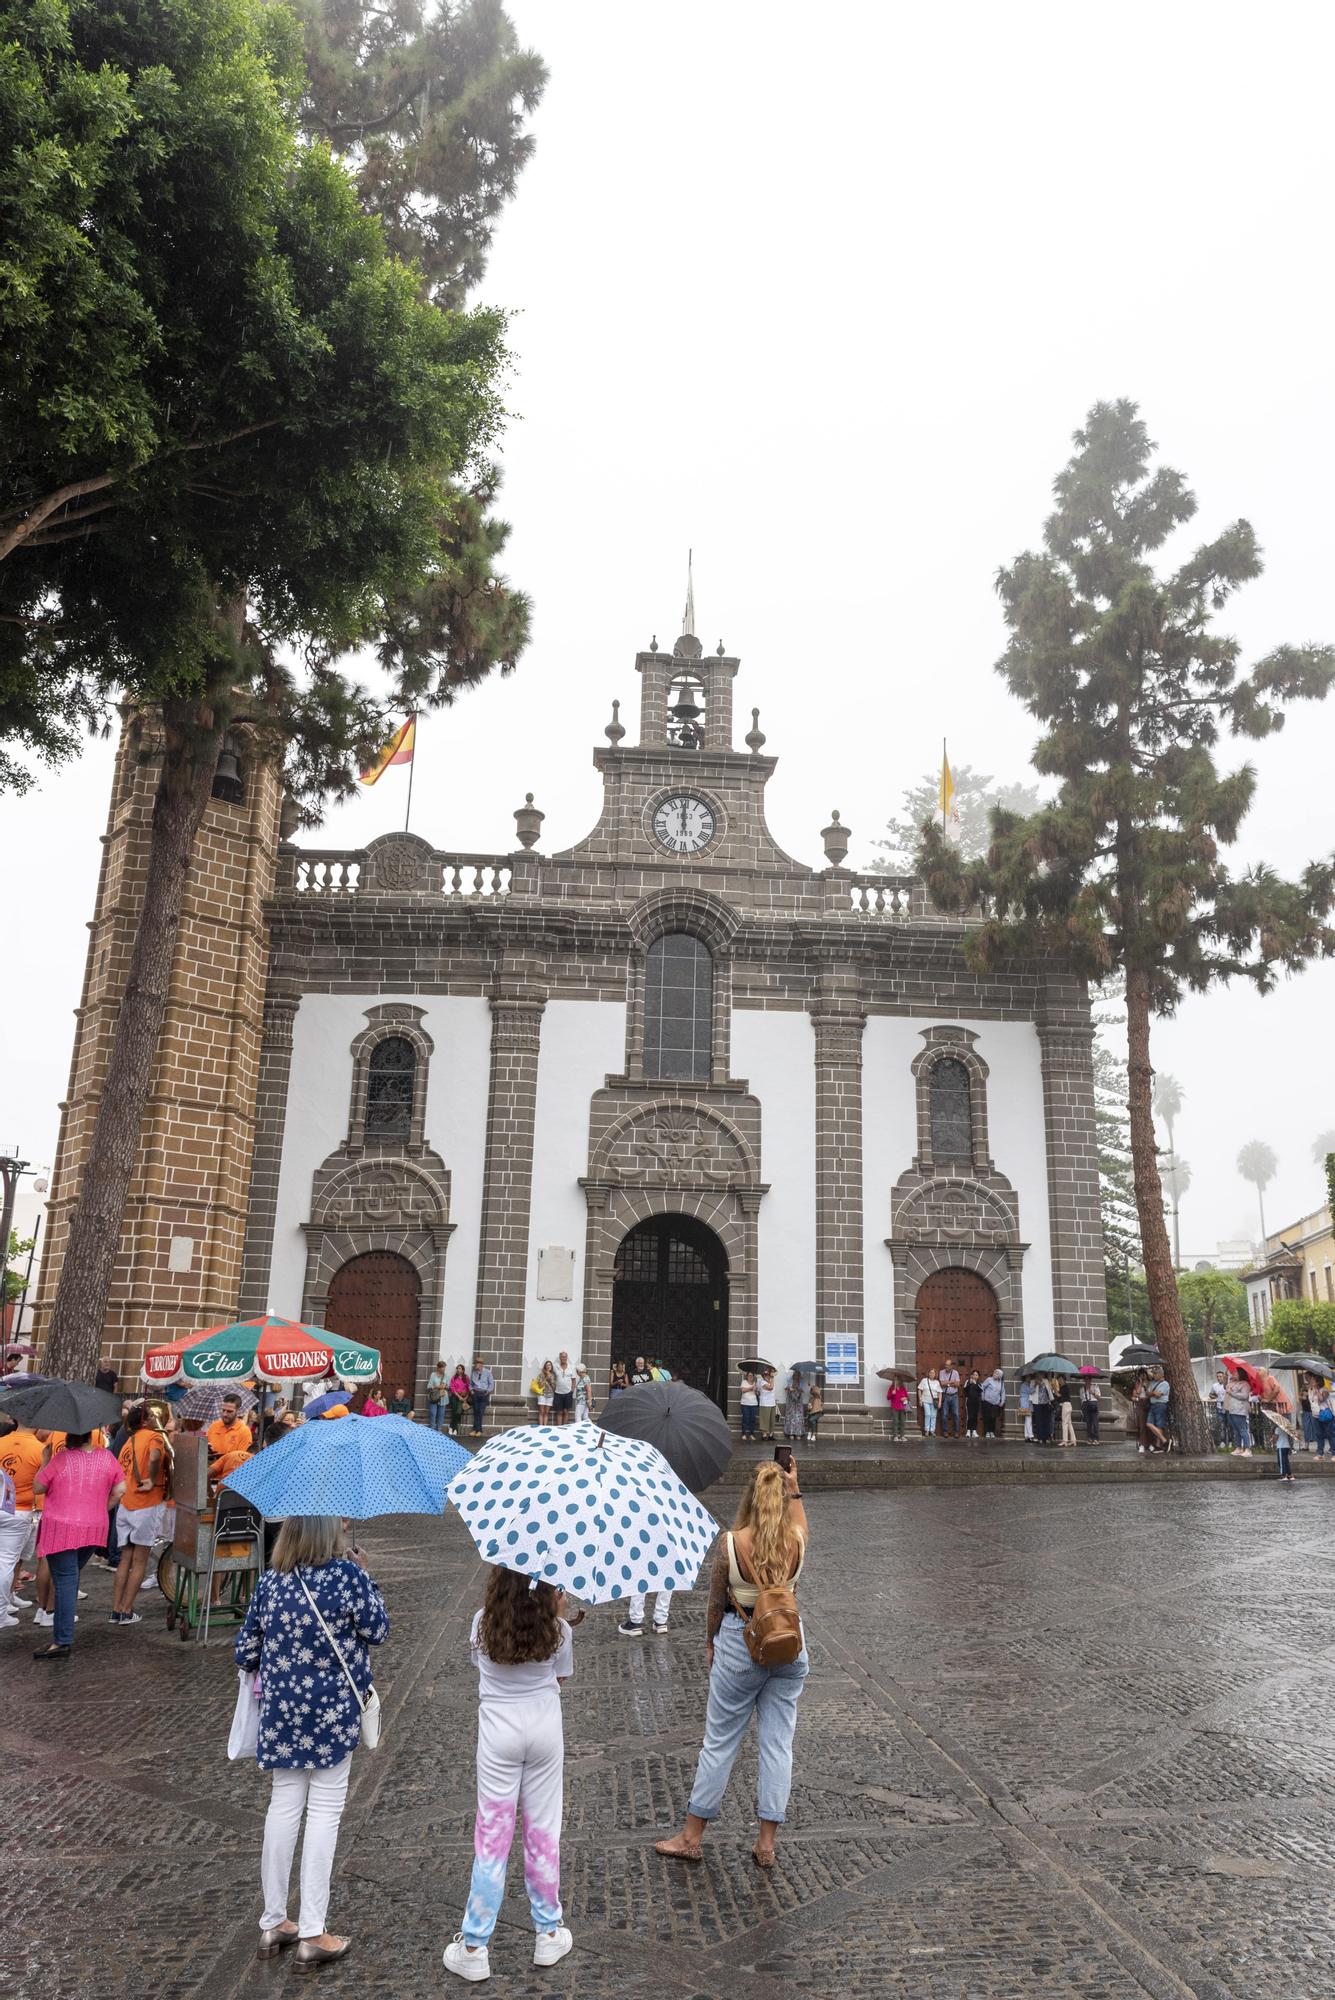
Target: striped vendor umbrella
[272, 1349]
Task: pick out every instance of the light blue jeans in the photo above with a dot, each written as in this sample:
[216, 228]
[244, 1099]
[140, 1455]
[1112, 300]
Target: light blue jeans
[739, 1688]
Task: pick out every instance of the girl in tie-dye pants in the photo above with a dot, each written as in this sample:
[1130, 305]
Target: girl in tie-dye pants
[522, 1651]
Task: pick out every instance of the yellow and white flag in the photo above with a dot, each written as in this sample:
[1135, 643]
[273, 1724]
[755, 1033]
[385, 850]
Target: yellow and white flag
[398, 750]
[950, 812]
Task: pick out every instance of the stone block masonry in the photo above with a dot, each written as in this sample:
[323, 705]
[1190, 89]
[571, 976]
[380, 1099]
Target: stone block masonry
[180, 1255]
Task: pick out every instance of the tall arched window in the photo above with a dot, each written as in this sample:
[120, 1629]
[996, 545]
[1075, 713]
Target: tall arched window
[952, 1117]
[678, 1009]
[389, 1088]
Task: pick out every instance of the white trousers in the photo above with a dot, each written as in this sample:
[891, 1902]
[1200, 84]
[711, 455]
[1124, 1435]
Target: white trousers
[662, 1607]
[14, 1530]
[320, 1795]
[520, 1763]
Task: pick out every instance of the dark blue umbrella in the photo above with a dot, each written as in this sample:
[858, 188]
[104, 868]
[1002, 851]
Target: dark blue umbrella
[330, 1400]
[691, 1431]
[356, 1466]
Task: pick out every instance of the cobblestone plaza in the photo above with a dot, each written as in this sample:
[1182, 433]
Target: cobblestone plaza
[1053, 1742]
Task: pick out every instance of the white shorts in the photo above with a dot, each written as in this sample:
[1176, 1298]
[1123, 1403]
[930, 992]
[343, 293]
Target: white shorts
[139, 1527]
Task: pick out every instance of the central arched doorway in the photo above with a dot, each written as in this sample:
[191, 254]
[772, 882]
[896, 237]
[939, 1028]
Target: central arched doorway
[670, 1299]
[376, 1299]
[957, 1319]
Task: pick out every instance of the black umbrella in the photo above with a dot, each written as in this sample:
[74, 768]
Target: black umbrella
[691, 1432]
[60, 1406]
[756, 1367]
[1138, 1355]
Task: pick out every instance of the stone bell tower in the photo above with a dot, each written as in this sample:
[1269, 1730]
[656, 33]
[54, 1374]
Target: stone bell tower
[180, 1251]
[685, 696]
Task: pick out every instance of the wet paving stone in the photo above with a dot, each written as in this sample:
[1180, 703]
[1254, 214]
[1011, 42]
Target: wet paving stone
[1054, 1742]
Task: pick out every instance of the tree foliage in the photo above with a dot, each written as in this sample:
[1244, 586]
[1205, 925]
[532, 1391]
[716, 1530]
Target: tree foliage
[427, 103]
[976, 796]
[1123, 871]
[1301, 1326]
[1214, 1310]
[1322, 1146]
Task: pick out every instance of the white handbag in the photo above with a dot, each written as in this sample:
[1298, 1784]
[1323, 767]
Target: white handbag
[244, 1740]
[368, 1703]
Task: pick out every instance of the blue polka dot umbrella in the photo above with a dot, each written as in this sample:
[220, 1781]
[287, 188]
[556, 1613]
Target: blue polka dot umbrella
[597, 1515]
[357, 1466]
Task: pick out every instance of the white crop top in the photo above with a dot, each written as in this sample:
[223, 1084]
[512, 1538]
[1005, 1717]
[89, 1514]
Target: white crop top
[744, 1594]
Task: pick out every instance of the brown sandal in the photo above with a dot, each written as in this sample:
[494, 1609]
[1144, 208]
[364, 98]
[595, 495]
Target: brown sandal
[678, 1850]
[762, 1860]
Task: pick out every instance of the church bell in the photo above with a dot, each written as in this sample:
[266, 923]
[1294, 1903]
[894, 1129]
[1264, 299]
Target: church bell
[227, 784]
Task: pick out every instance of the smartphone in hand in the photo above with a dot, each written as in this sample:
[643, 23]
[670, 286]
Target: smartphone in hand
[783, 1455]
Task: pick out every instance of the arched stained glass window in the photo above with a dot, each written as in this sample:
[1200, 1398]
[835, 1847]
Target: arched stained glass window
[389, 1088]
[678, 1009]
[952, 1118]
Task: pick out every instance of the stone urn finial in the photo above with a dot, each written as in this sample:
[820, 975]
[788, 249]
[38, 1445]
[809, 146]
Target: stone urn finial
[836, 838]
[755, 735]
[615, 729]
[528, 821]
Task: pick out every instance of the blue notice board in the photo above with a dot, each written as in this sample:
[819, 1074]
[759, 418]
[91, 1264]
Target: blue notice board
[841, 1361]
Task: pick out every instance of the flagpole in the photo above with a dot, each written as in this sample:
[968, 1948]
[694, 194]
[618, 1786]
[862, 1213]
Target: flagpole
[412, 766]
[943, 785]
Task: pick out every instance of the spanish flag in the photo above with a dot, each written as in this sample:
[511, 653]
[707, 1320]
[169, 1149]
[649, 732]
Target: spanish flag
[399, 750]
[950, 812]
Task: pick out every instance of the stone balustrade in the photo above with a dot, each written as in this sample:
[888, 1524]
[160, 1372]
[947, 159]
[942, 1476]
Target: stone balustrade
[404, 866]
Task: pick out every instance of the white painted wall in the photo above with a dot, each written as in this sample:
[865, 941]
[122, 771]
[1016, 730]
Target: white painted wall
[583, 1042]
[318, 1096]
[889, 1139]
[776, 1053]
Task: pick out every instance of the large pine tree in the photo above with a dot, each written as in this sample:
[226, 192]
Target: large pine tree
[276, 452]
[1123, 871]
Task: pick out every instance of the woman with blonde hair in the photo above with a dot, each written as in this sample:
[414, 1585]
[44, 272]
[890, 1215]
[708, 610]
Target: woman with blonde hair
[314, 1616]
[765, 1549]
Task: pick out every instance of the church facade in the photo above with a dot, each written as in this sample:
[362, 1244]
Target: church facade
[668, 1092]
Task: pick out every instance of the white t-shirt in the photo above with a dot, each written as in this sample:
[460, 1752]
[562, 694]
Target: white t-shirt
[517, 1683]
[749, 1396]
[767, 1396]
[929, 1390]
[565, 1380]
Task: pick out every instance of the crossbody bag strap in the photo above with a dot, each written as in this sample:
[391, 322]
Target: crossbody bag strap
[357, 1695]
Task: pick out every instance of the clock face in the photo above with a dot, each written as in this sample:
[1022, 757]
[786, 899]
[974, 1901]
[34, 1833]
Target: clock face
[684, 824]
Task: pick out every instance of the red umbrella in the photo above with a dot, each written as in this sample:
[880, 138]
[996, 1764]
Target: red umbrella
[1253, 1378]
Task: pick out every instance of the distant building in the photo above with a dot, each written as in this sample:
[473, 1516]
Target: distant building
[1234, 1255]
[1299, 1264]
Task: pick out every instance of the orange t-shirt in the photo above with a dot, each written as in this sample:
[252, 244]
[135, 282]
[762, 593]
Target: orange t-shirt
[135, 1458]
[21, 1455]
[226, 1462]
[222, 1440]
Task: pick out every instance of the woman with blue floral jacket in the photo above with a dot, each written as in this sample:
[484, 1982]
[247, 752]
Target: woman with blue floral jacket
[310, 1719]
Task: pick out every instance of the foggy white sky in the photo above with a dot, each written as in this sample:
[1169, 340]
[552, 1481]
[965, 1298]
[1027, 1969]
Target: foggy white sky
[823, 293]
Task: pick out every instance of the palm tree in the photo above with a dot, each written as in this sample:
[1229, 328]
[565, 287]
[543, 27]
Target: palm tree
[1176, 1176]
[1257, 1164]
[1322, 1146]
[1168, 1105]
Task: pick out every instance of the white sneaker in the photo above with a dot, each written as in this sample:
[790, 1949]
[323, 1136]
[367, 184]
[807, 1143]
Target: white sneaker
[82, 1593]
[456, 1957]
[127, 1618]
[40, 1617]
[552, 1945]
[149, 1583]
[7, 1622]
[20, 1604]
[630, 1630]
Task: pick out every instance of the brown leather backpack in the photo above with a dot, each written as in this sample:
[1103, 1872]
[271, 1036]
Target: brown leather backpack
[774, 1630]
